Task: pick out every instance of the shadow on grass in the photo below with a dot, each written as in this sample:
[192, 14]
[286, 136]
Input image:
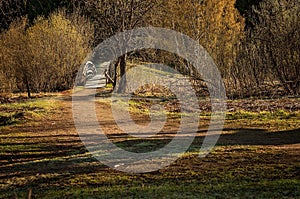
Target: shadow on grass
[260, 137]
[230, 137]
[21, 149]
[63, 156]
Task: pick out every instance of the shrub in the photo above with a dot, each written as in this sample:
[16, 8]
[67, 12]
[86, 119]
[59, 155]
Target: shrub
[46, 56]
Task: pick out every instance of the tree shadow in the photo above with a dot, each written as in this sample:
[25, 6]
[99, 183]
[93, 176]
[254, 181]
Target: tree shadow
[54, 157]
[228, 137]
[62, 156]
[260, 137]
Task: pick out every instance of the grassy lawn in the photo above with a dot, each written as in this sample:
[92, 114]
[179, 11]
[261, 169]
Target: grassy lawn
[257, 156]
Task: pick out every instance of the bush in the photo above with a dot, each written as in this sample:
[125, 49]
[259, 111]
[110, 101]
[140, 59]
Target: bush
[46, 56]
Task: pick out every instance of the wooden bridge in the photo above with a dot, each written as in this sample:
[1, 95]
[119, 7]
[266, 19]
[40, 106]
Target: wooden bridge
[99, 80]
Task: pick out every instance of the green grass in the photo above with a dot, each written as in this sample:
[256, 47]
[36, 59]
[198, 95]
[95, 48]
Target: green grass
[263, 115]
[248, 179]
[146, 70]
[19, 112]
[143, 107]
[264, 189]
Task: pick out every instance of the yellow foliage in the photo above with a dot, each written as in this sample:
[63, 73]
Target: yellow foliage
[216, 24]
[48, 53]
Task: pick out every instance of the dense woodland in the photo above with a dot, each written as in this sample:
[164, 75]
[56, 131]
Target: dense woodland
[255, 43]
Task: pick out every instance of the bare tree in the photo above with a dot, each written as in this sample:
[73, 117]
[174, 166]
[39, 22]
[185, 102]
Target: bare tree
[269, 57]
[9, 11]
[114, 16]
[216, 24]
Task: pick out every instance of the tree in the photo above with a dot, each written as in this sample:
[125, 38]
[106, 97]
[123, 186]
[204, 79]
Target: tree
[216, 24]
[14, 44]
[268, 59]
[245, 9]
[277, 35]
[10, 10]
[115, 16]
[244, 6]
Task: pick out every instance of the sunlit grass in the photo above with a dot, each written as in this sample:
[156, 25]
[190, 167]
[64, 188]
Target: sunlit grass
[18, 112]
[263, 115]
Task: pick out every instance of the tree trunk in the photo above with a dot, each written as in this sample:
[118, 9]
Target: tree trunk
[27, 86]
[122, 85]
[116, 74]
